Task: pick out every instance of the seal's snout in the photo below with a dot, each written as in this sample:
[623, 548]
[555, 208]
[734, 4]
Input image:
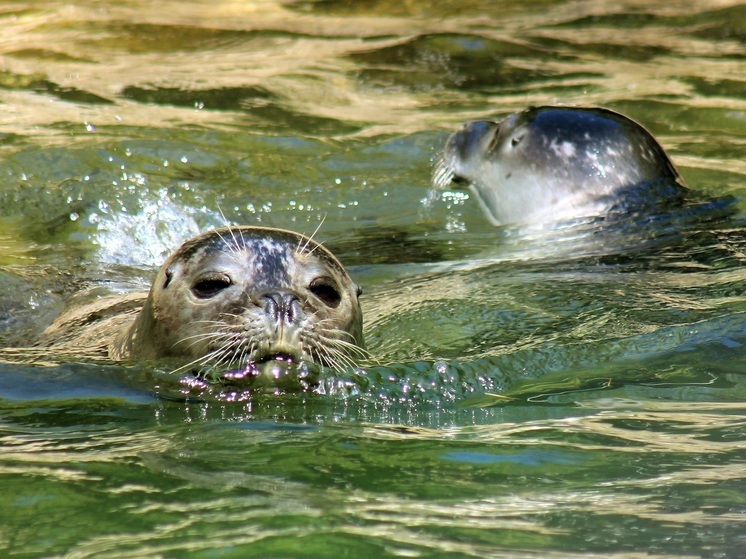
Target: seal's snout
[281, 306]
[464, 147]
[473, 139]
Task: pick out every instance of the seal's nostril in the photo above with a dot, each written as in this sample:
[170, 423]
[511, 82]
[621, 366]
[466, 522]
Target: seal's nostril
[281, 305]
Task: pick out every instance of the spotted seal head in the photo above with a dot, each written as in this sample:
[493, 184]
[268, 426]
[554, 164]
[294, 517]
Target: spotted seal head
[555, 163]
[248, 295]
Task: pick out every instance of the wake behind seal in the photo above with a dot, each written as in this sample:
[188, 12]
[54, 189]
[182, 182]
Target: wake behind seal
[559, 163]
[230, 298]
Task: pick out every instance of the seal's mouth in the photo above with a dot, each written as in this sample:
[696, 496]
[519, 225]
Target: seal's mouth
[265, 363]
[282, 357]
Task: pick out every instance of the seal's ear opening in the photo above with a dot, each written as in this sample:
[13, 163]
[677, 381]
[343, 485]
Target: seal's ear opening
[169, 275]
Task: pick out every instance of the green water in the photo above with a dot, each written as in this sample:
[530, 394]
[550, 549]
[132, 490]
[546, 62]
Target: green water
[536, 395]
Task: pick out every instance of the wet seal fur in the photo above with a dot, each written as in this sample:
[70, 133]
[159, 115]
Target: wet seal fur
[229, 298]
[549, 164]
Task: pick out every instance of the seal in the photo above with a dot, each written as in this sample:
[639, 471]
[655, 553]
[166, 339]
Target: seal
[558, 163]
[229, 298]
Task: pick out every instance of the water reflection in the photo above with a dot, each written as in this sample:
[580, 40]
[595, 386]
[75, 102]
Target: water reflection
[336, 65]
[621, 427]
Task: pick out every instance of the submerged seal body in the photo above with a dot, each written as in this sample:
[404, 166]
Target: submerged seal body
[558, 163]
[233, 297]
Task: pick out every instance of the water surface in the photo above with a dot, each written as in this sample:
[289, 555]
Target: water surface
[537, 394]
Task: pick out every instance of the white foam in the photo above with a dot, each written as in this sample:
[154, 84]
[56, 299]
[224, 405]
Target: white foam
[145, 236]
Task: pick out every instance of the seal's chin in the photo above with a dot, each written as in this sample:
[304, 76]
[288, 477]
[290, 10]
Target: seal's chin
[273, 373]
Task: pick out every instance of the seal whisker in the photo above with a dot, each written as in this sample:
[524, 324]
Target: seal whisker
[226, 223]
[233, 247]
[243, 356]
[302, 249]
[326, 356]
[231, 315]
[208, 333]
[334, 357]
[204, 337]
[335, 349]
[221, 326]
[345, 340]
[345, 360]
[224, 356]
[339, 337]
[199, 361]
[316, 245]
[348, 347]
[212, 322]
[343, 334]
[237, 244]
[443, 174]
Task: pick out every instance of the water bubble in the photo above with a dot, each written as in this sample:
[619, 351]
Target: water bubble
[455, 197]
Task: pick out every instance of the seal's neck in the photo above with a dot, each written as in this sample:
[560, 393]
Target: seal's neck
[136, 340]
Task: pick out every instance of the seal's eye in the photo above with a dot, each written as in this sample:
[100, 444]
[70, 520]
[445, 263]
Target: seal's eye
[516, 140]
[210, 286]
[325, 290]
